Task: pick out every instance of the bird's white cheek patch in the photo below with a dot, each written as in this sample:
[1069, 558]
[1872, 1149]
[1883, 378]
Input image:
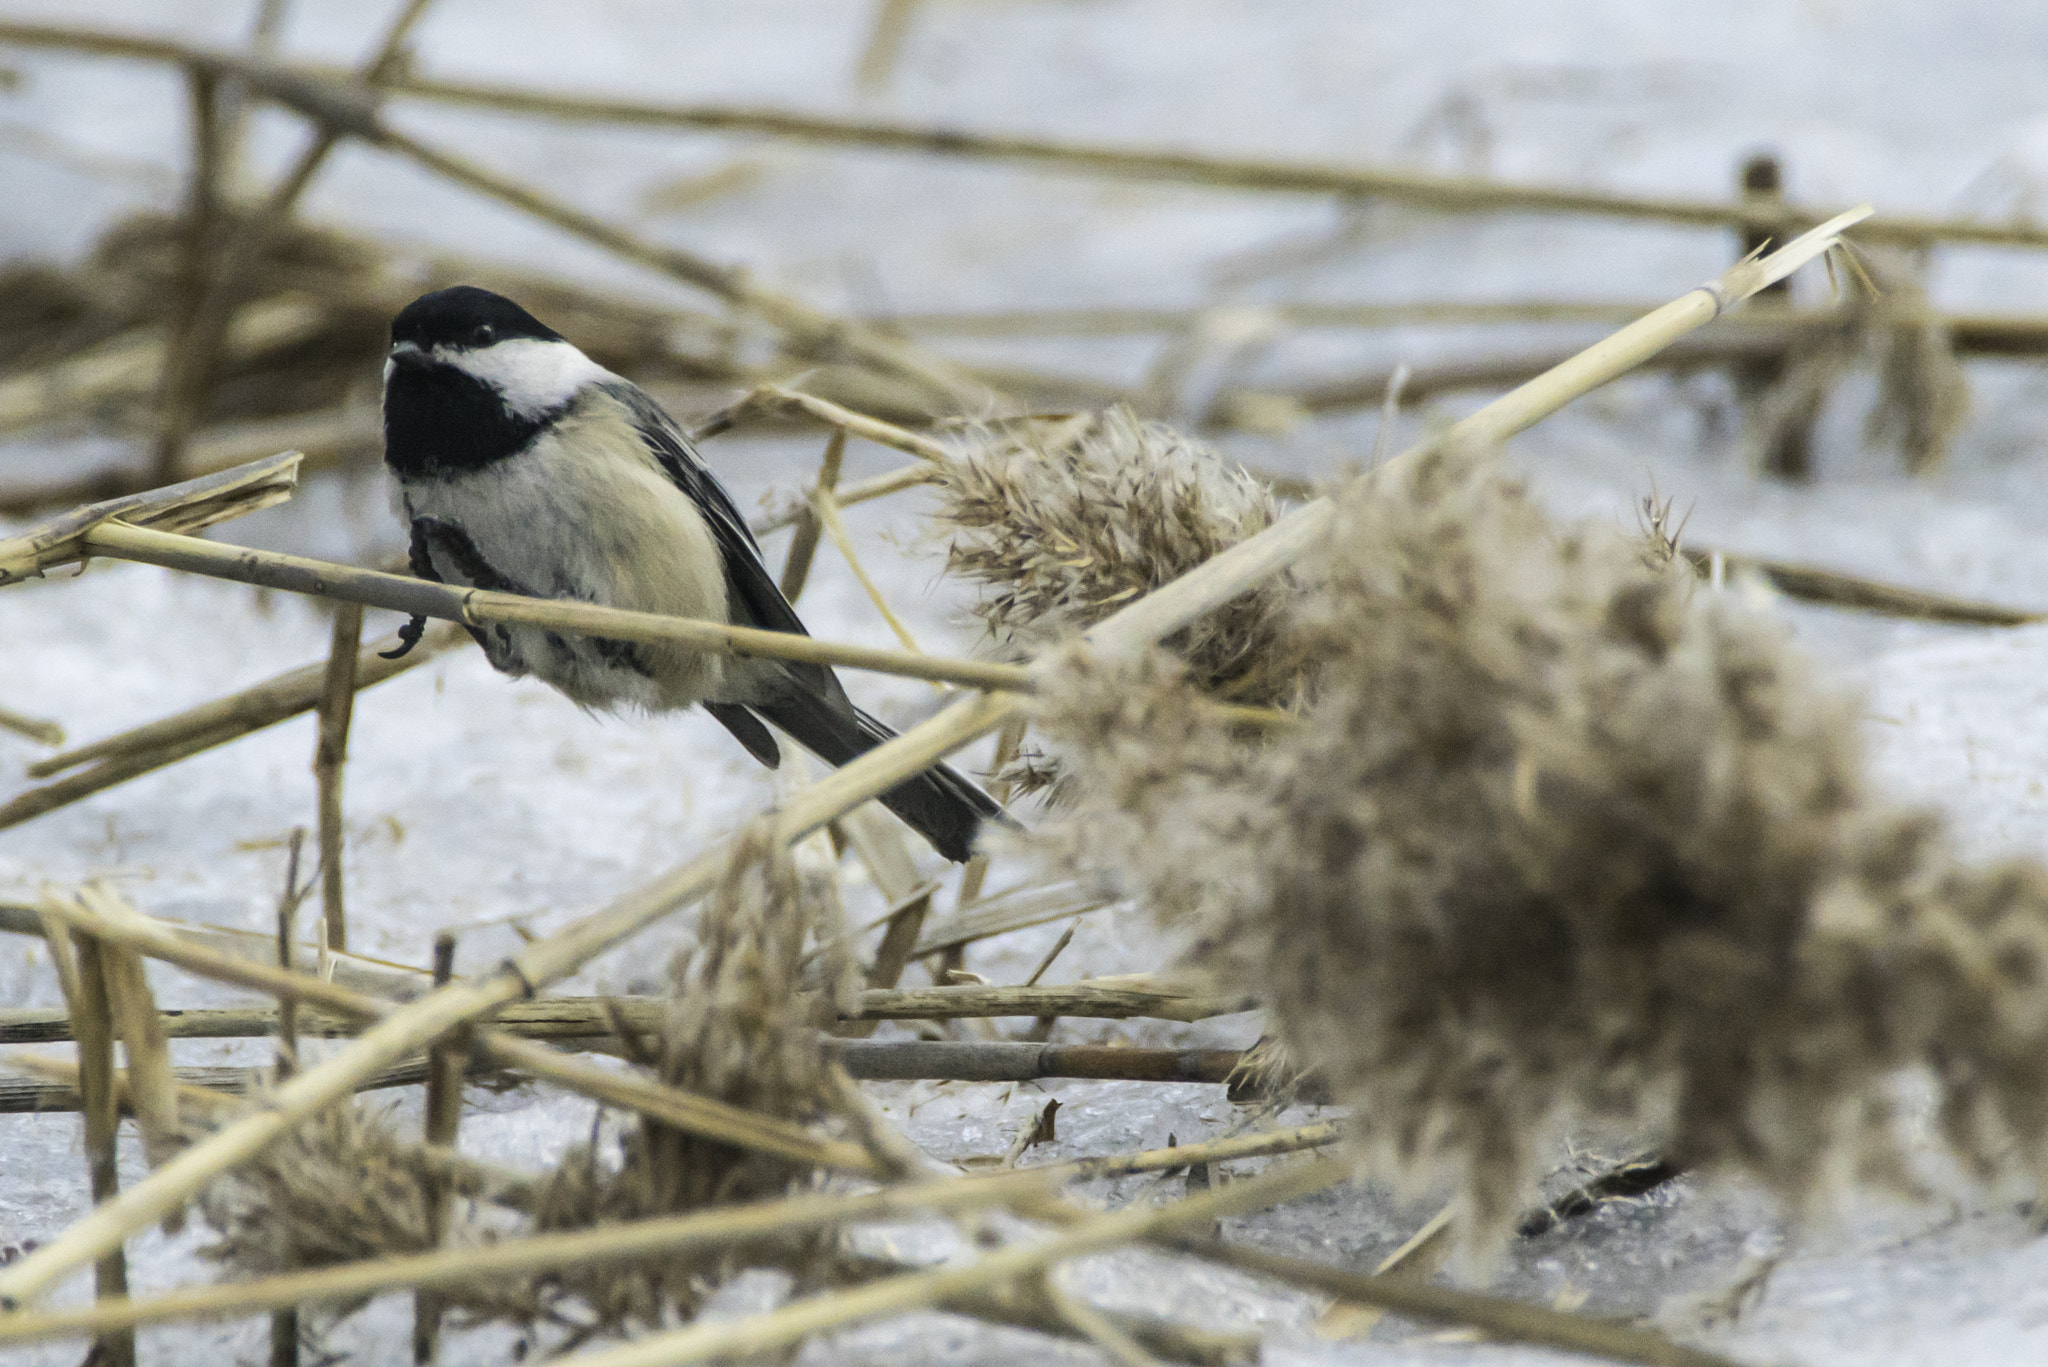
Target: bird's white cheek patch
[534, 375]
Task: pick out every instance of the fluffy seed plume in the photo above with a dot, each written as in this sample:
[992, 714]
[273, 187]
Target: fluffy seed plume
[1568, 836]
[1063, 522]
[737, 1029]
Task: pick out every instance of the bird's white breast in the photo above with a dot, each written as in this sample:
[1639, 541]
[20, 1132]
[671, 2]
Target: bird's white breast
[585, 512]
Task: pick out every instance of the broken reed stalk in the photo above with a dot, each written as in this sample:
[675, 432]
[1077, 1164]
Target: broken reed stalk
[347, 108]
[274, 700]
[1145, 621]
[377, 977]
[449, 1268]
[1497, 1317]
[795, 1322]
[113, 923]
[217, 284]
[842, 541]
[781, 400]
[35, 728]
[1449, 194]
[187, 507]
[577, 1018]
[152, 1091]
[803, 545]
[330, 755]
[148, 748]
[445, 1064]
[78, 969]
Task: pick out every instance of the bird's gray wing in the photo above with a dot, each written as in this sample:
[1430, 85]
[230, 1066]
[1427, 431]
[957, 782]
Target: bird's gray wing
[757, 600]
[754, 598]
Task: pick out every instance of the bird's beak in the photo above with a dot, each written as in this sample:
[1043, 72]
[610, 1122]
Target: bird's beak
[407, 354]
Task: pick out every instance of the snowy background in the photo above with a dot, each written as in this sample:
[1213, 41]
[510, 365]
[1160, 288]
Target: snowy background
[475, 802]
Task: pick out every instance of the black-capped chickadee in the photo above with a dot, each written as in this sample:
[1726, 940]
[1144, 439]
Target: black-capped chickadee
[525, 467]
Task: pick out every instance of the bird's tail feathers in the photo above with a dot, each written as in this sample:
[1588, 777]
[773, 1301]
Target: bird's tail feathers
[940, 804]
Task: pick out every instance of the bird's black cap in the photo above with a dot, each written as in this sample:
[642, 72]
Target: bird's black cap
[465, 316]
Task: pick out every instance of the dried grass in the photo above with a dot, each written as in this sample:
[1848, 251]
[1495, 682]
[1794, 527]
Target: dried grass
[737, 1029]
[1922, 394]
[1568, 836]
[1063, 521]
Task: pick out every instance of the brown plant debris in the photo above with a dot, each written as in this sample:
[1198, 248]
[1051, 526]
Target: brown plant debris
[1569, 836]
[1063, 521]
[737, 1029]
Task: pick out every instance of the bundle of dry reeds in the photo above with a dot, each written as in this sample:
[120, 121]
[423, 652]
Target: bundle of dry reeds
[1566, 836]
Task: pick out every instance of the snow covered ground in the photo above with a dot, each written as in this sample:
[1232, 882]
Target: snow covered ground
[476, 803]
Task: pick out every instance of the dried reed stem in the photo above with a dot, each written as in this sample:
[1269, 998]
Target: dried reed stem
[445, 1065]
[336, 707]
[794, 1323]
[1450, 194]
[835, 527]
[378, 977]
[780, 400]
[217, 293]
[1146, 620]
[1499, 1318]
[113, 923]
[188, 507]
[803, 546]
[1024, 1061]
[345, 109]
[478, 607]
[93, 1012]
[582, 1018]
[274, 700]
[455, 1268]
[152, 1091]
[35, 728]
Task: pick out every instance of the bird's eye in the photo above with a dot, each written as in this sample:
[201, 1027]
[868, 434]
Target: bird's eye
[484, 335]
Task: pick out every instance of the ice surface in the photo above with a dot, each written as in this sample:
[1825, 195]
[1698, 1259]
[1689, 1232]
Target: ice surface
[488, 806]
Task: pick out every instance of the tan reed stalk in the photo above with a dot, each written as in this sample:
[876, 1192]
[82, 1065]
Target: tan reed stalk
[284, 1323]
[672, 1106]
[201, 226]
[35, 728]
[1108, 322]
[1025, 1061]
[93, 1012]
[1812, 584]
[1018, 909]
[1449, 194]
[803, 546]
[701, 1115]
[239, 714]
[377, 977]
[445, 1065]
[575, 1018]
[793, 1323]
[127, 366]
[478, 607]
[1094, 1326]
[881, 486]
[345, 109]
[1499, 1318]
[217, 284]
[1144, 621]
[152, 1091]
[1022, 1306]
[336, 707]
[186, 507]
[449, 1268]
[60, 1091]
[835, 527]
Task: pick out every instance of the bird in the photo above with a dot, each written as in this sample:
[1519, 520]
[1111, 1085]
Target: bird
[522, 466]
